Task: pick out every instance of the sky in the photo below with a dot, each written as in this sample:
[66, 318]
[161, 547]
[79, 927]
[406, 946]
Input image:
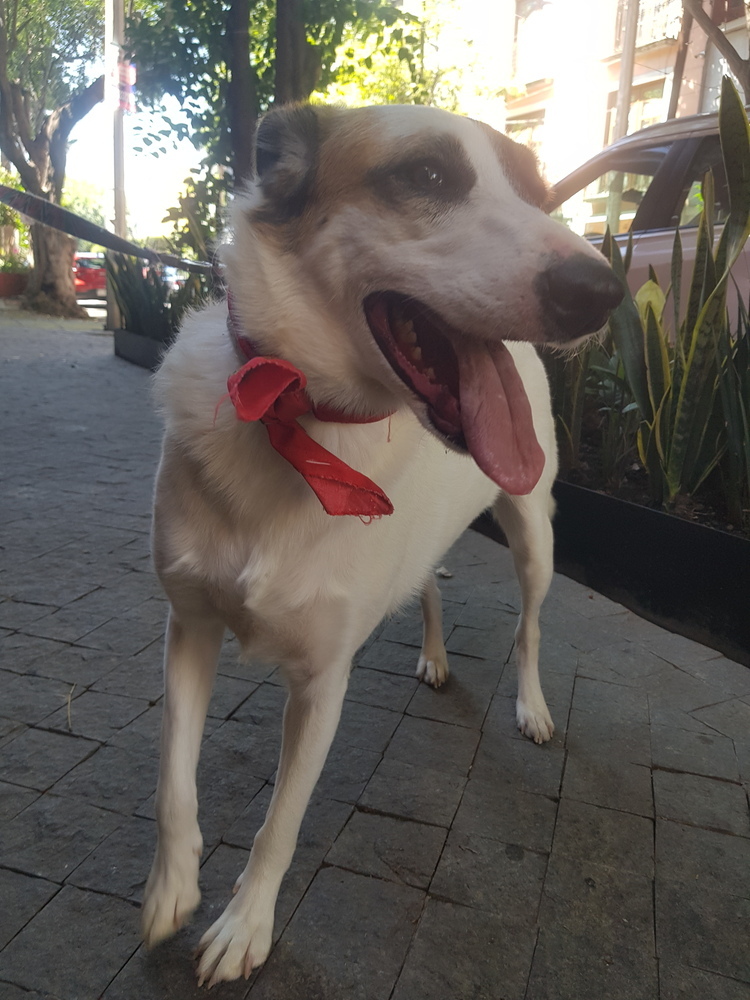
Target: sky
[152, 184]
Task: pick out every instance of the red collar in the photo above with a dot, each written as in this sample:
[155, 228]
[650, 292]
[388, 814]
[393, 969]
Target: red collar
[272, 391]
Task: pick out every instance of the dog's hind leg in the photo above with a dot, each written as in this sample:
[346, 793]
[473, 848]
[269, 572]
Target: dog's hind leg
[433, 660]
[190, 658]
[241, 938]
[528, 528]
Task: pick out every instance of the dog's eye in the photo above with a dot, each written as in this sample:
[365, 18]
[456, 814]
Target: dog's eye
[424, 176]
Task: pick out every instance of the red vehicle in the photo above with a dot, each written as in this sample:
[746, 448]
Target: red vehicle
[90, 276]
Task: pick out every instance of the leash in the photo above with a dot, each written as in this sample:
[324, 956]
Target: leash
[68, 222]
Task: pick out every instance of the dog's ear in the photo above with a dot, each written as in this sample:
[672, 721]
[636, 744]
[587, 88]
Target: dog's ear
[286, 144]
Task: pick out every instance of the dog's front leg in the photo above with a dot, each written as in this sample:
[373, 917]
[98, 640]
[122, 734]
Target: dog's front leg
[433, 660]
[528, 528]
[241, 938]
[190, 658]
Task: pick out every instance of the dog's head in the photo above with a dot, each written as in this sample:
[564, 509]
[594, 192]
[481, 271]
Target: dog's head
[418, 240]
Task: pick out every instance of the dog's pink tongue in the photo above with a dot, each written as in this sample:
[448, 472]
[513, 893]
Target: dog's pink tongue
[496, 417]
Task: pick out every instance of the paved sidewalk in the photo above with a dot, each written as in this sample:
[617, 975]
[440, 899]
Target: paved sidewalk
[443, 858]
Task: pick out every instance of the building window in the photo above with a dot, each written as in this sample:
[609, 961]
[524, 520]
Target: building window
[527, 129]
[727, 10]
[646, 108]
[657, 20]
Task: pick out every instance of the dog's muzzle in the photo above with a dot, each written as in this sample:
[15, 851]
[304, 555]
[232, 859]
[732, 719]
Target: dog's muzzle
[577, 295]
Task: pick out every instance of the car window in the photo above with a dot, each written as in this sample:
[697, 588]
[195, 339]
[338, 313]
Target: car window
[690, 206]
[612, 199]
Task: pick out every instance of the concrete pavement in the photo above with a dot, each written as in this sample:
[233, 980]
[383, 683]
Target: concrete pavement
[444, 857]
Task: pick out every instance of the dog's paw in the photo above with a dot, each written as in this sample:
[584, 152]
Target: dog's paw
[238, 942]
[171, 895]
[434, 669]
[535, 721]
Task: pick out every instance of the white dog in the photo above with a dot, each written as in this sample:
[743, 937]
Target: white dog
[385, 255]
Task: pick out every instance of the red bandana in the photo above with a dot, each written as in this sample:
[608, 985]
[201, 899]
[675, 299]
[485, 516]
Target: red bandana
[273, 391]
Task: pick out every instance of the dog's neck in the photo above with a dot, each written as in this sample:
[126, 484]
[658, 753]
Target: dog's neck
[246, 350]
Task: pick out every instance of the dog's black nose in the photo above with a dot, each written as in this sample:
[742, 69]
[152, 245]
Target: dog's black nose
[578, 295]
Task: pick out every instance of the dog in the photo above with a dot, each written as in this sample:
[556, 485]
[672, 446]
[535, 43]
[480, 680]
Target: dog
[390, 272]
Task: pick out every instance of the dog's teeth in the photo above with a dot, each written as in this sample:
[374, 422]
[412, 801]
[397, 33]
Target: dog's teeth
[430, 373]
[416, 354]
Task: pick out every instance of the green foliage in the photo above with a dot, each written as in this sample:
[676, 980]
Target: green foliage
[85, 200]
[180, 48]
[145, 302]
[13, 262]
[198, 219]
[51, 45]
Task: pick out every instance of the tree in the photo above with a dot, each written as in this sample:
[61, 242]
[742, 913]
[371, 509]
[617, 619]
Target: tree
[739, 66]
[226, 61]
[45, 49]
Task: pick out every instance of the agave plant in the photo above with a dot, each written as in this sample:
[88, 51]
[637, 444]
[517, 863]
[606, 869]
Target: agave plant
[144, 299]
[691, 386]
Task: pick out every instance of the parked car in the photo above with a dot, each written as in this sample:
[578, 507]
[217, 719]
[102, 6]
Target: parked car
[649, 183]
[90, 276]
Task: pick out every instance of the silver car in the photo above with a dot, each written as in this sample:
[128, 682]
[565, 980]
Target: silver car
[649, 183]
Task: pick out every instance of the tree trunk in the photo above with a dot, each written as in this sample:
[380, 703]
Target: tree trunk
[242, 97]
[739, 66]
[297, 62]
[51, 289]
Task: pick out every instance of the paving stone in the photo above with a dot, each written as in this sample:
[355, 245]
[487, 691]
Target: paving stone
[609, 782]
[69, 624]
[13, 799]
[366, 726]
[505, 813]
[698, 801]
[465, 697]
[15, 614]
[31, 699]
[732, 718]
[679, 750]
[464, 954]
[663, 712]
[53, 835]
[17, 650]
[347, 940]
[618, 840]
[680, 690]
[425, 794]
[525, 765]
[265, 705]
[96, 716]
[707, 929]
[616, 702]
[717, 861]
[346, 772]
[592, 735]
[374, 687]
[493, 644]
[434, 744]
[395, 849]
[142, 735]
[597, 936]
[241, 746]
[683, 982]
[119, 866]
[111, 778]
[228, 695]
[119, 635]
[390, 657]
[39, 957]
[678, 649]
[622, 663]
[404, 627]
[140, 676]
[36, 759]
[23, 897]
[489, 875]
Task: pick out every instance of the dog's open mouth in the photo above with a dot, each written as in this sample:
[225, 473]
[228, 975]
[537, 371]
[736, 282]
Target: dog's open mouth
[474, 395]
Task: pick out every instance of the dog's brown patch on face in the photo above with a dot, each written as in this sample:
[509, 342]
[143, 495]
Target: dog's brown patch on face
[520, 166]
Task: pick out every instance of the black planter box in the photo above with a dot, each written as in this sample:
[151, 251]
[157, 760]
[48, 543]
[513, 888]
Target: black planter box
[139, 350]
[686, 577]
